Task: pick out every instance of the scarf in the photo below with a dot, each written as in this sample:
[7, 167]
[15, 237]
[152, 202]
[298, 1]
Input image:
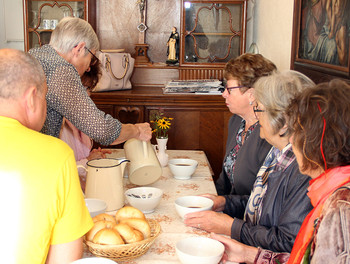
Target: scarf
[275, 160]
[319, 190]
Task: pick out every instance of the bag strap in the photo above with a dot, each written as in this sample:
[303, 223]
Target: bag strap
[109, 66]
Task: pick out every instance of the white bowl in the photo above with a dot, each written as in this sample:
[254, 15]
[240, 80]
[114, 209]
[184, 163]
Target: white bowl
[201, 250]
[146, 199]
[182, 169]
[190, 204]
[95, 206]
[94, 260]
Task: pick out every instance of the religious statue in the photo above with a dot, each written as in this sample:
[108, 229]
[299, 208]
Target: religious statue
[141, 4]
[173, 47]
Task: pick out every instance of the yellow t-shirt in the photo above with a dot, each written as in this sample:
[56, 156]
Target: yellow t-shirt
[42, 202]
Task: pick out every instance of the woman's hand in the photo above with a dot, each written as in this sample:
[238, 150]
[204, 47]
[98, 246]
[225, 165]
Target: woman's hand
[210, 221]
[98, 154]
[219, 201]
[236, 251]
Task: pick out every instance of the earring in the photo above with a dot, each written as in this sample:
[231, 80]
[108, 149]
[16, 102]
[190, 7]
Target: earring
[250, 103]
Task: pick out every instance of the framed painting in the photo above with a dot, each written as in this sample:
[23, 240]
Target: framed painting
[320, 42]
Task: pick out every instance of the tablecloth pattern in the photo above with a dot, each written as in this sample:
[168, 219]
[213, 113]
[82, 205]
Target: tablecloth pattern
[172, 226]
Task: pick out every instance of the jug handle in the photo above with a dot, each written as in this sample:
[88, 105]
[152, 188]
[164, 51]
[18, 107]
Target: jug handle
[145, 149]
[83, 167]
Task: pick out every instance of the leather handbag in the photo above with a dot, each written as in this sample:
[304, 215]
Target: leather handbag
[116, 69]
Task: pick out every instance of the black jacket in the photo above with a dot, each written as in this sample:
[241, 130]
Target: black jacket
[284, 207]
[250, 157]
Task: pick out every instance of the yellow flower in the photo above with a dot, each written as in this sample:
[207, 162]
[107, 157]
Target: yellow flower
[163, 124]
[160, 124]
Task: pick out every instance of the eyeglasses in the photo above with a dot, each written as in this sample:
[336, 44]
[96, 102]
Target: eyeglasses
[257, 110]
[94, 59]
[233, 87]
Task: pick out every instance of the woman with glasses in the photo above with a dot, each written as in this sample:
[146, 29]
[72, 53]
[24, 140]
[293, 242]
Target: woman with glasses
[320, 131]
[278, 203]
[67, 57]
[245, 151]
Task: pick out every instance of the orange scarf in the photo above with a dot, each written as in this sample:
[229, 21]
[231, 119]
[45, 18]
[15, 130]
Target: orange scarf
[319, 190]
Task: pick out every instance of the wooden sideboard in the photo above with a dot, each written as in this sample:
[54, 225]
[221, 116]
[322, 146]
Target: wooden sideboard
[200, 121]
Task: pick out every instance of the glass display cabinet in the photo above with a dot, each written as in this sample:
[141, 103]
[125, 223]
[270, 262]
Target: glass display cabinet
[212, 32]
[41, 18]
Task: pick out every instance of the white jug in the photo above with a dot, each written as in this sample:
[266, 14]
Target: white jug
[105, 181]
[144, 167]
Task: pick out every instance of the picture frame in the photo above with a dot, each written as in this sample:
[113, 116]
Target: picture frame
[321, 39]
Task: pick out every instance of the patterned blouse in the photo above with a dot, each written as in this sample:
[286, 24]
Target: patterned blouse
[67, 97]
[229, 162]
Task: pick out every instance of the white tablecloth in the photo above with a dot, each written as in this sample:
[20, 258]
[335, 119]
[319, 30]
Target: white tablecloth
[173, 228]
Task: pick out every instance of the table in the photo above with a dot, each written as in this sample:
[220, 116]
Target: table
[173, 228]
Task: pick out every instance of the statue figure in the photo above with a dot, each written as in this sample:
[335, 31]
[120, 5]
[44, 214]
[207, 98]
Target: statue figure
[173, 47]
[141, 4]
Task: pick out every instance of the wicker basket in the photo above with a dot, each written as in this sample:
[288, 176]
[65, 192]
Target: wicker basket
[127, 251]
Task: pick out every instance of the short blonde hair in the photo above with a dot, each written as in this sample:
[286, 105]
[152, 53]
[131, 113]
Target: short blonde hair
[70, 31]
[277, 91]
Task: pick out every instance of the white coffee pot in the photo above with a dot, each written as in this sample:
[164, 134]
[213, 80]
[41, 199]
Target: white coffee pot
[105, 181]
[144, 167]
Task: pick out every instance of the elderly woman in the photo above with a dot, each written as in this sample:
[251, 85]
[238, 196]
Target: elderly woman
[80, 143]
[67, 57]
[278, 203]
[320, 140]
[245, 150]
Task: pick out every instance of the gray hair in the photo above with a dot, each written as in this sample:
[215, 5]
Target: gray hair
[277, 91]
[70, 31]
[18, 72]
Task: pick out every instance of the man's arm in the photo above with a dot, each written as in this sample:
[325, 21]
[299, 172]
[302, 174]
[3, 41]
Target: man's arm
[65, 253]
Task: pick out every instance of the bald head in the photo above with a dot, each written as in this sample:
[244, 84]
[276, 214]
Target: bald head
[18, 72]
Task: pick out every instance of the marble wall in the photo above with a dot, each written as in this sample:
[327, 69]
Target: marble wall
[117, 23]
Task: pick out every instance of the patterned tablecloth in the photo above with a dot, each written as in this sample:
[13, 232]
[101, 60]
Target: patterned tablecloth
[173, 228]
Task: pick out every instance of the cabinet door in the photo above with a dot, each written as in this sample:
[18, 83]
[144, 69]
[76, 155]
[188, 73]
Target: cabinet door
[41, 17]
[196, 128]
[129, 114]
[212, 31]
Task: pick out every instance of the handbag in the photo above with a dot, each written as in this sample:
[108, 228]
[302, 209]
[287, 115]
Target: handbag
[116, 70]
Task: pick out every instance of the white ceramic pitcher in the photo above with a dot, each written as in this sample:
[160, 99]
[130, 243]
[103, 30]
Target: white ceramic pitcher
[105, 181]
[144, 167]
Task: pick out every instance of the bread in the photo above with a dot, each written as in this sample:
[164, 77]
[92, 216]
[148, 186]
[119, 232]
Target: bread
[132, 227]
[104, 216]
[128, 212]
[138, 224]
[97, 227]
[107, 236]
[129, 234]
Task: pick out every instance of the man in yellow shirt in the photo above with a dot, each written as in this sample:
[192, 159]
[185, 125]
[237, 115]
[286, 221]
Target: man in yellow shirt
[44, 216]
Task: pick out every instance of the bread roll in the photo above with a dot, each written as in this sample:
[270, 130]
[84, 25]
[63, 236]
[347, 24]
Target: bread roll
[97, 227]
[128, 212]
[129, 234]
[107, 236]
[104, 216]
[139, 224]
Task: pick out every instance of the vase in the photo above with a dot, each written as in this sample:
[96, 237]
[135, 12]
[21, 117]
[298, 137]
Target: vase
[161, 151]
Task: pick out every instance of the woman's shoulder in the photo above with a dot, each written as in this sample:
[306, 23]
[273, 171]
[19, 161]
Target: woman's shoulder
[340, 198]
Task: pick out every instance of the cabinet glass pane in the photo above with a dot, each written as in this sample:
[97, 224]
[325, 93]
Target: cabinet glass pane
[212, 32]
[43, 17]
